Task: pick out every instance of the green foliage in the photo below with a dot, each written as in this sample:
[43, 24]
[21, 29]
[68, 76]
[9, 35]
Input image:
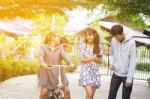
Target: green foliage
[143, 66]
[122, 10]
[148, 80]
[131, 11]
[32, 8]
[42, 25]
[11, 49]
[13, 68]
[76, 62]
[143, 51]
[128, 10]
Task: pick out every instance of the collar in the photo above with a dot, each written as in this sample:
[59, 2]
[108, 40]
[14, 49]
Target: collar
[49, 47]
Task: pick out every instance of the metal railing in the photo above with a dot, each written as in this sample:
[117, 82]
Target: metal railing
[143, 60]
[142, 71]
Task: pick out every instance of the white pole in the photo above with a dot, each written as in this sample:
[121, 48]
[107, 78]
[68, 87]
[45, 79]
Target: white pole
[53, 23]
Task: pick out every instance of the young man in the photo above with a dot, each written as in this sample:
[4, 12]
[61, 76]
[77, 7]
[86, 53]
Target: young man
[64, 42]
[123, 62]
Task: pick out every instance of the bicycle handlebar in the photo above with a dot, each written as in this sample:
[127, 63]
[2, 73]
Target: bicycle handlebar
[53, 66]
[60, 65]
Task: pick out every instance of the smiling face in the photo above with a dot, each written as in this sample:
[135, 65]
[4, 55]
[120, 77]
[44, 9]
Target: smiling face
[89, 37]
[55, 39]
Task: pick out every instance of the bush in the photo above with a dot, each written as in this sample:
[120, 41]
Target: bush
[143, 51]
[13, 68]
[75, 61]
[148, 80]
[143, 66]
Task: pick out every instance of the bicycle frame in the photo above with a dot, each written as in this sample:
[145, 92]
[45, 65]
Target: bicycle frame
[60, 84]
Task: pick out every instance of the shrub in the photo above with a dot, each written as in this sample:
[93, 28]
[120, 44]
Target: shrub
[143, 51]
[13, 68]
[143, 66]
[148, 80]
[75, 61]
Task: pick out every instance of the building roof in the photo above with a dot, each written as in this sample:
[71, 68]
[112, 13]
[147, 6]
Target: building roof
[18, 27]
[137, 35]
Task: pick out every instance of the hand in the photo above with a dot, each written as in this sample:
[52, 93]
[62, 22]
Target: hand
[111, 67]
[90, 57]
[72, 66]
[128, 84]
[98, 60]
[45, 66]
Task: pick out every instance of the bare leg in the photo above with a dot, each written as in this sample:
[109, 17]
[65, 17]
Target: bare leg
[89, 92]
[44, 93]
[67, 92]
[93, 90]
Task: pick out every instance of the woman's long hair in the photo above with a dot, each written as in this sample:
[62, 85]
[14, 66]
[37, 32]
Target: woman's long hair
[96, 48]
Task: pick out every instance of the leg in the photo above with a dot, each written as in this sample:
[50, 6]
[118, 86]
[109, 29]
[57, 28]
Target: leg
[67, 92]
[44, 93]
[114, 86]
[126, 91]
[93, 90]
[89, 92]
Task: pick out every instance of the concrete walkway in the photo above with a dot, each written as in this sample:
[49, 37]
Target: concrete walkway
[26, 87]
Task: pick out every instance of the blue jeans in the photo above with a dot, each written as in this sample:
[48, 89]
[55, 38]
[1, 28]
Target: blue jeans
[114, 86]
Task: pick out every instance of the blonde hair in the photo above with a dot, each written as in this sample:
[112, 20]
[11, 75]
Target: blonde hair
[49, 37]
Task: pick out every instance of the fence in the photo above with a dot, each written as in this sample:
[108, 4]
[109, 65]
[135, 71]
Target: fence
[143, 60]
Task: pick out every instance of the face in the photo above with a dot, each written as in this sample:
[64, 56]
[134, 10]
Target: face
[56, 39]
[119, 37]
[89, 37]
[65, 46]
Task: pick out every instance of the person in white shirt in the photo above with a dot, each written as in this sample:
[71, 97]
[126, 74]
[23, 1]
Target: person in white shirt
[122, 62]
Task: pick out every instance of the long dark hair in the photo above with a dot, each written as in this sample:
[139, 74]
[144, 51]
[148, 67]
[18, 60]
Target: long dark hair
[96, 41]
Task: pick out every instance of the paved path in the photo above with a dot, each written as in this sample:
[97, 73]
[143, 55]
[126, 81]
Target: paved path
[25, 87]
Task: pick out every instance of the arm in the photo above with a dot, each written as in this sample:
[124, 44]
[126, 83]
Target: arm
[41, 56]
[111, 56]
[132, 63]
[99, 58]
[84, 59]
[65, 56]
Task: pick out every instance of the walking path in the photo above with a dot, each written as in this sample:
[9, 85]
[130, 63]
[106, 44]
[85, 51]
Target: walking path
[26, 87]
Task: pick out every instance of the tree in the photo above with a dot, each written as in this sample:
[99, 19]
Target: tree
[43, 24]
[31, 8]
[131, 11]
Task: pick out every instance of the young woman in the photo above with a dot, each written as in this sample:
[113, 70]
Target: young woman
[90, 56]
[51, 53]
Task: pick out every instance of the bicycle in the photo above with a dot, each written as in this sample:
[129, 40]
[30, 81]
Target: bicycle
[57, 93]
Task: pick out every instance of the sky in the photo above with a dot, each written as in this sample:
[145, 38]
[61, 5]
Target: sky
[79, 18]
